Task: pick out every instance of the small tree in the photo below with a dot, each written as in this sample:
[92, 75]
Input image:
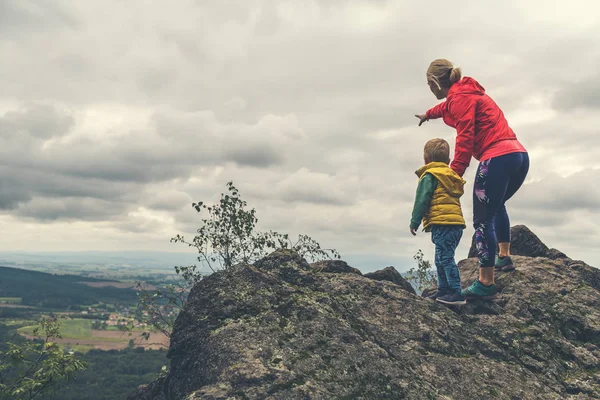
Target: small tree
[423, 276]
[228, 237]
[36, 368]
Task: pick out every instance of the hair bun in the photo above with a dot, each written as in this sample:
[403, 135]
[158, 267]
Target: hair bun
[454, 74]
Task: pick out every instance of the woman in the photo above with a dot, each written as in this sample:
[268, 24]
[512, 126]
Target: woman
[482, 132]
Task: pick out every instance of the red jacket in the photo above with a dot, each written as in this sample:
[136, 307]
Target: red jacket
[482, 131]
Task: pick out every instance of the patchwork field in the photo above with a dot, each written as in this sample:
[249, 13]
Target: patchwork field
[119, 285]
[11, 300]
[8, 305]
[78, 334]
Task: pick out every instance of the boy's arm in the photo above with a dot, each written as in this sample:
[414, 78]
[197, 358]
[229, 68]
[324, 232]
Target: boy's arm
[422, 200]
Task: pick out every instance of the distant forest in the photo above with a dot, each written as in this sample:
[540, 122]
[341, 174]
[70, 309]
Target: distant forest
[111, 375]
[44, 290]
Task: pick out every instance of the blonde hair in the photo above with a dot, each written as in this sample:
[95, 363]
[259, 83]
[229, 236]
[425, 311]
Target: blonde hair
[443, 73]
[437, 150]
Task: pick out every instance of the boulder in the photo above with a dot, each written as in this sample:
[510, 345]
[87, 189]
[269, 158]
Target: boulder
[391, 275]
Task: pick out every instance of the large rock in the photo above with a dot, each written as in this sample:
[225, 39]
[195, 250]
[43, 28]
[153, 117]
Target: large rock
[291, 332]
[524, 243]
[390, 274]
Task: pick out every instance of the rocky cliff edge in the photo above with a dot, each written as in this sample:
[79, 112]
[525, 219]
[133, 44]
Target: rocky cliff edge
[286, 329]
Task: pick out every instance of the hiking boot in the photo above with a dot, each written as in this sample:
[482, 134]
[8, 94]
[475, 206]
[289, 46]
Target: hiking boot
[438, 293]
[454, 298]
[504, 264]
[479, 291]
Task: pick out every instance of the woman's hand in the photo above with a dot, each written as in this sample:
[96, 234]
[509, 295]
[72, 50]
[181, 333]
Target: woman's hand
[422, 118]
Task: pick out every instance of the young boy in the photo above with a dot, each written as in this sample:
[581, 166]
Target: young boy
[437, 203]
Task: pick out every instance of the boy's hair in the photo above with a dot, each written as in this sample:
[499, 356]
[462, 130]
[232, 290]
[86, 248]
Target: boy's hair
[437, 150]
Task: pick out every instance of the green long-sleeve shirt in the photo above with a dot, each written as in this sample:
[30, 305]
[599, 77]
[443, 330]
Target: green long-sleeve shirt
[423, 198]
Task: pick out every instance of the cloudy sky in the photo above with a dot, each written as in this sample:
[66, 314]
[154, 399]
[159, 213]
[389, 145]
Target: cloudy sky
[115, 116]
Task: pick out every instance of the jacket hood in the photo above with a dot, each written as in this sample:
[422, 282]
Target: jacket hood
[452, 183]
[466, 85]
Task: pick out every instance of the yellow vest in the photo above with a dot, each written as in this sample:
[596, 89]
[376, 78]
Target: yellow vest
[444, 208]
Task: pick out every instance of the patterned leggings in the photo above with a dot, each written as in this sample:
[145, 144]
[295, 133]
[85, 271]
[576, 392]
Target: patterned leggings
[497, 180]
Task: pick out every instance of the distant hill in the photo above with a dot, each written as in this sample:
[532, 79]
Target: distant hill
[40, 289]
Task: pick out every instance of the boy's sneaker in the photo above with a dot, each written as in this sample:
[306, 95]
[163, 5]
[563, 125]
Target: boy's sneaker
[438, 293]
[504, 264]
[454, 298]
[479, 291]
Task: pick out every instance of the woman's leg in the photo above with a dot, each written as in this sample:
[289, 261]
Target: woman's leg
[502, 220]
[489, 190]
[504, 249]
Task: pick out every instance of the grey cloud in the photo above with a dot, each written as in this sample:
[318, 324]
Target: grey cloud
[154, 80]
[259, 156]
[19, 185]
[49, 209]
[555, 202]
[174, 144]
[371, 116]
[309, 186]
[319, 197]
[562, 137]
[268, 22]
[582, 95]
[555, 194]
[57, 184]
[12, 195]
[73, 65]
[537, 217]
[295, 69]
[115, 169]
[26, 16]
[38, 120]
[137, 225]
[167, 200]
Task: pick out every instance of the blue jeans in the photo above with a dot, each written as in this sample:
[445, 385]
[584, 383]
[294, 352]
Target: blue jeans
[496, 181]
[446, 239]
